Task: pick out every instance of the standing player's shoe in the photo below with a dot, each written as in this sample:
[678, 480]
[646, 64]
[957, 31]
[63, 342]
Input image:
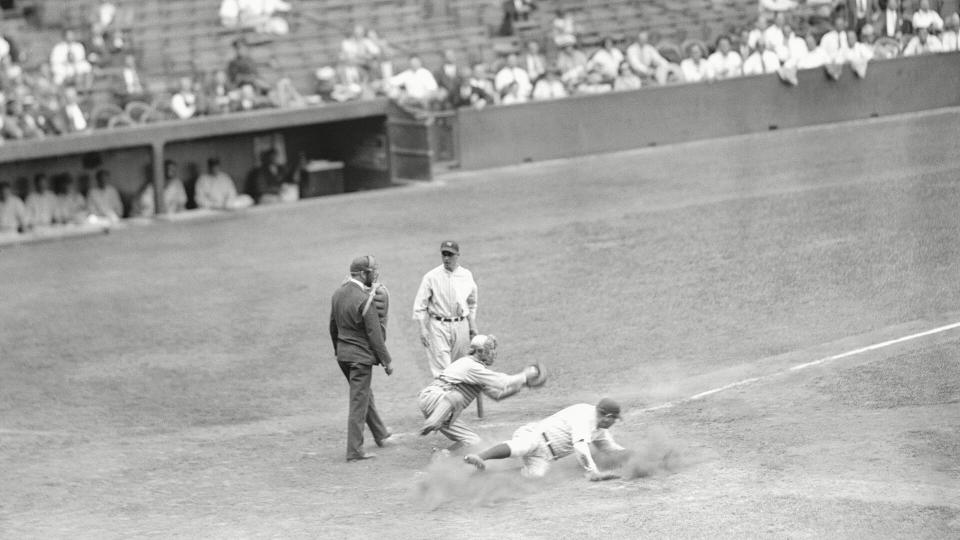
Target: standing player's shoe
[475, 460]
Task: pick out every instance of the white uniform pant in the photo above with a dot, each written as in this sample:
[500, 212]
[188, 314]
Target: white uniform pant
[447, 341]
[456, 430]
[528, 443]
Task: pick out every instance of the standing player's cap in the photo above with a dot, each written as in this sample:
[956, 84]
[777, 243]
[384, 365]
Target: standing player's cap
[451, 246]
[362, 264]
[609, 407]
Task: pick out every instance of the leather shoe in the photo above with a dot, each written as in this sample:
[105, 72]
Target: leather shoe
[361, 457]
[383, 442]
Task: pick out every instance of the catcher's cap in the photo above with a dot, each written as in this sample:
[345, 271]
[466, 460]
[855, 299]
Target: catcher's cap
[450, 245]
[363, 263]
[609, 407]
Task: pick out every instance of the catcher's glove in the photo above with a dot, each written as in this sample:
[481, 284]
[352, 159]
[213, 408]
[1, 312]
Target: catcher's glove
[536, 375]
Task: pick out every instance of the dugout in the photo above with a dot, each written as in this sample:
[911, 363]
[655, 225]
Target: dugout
[352, 134]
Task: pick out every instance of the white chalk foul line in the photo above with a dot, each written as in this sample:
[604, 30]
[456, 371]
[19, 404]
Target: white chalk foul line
[854, 352]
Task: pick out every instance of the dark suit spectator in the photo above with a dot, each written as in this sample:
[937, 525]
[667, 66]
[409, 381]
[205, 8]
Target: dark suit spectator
[861, 12]
[359, 344]
[514, 11]
[534, 61]
[891, 22]
[448, 78]
[242, 69]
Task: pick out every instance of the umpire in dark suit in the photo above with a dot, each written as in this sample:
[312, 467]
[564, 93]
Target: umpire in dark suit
[359, 344]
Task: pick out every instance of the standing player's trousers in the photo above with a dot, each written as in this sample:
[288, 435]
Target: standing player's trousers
[362, 408]
[449, 341]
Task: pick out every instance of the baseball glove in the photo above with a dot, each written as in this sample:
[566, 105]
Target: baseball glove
[536, 375]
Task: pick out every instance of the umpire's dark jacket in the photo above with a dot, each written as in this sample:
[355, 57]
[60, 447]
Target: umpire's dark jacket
[356, 338]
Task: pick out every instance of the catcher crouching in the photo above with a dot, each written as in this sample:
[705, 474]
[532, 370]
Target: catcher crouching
[461, 382]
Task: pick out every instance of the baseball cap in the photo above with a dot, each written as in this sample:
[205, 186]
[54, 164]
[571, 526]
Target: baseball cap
[609, 407]
[362, 263]
[450, 245]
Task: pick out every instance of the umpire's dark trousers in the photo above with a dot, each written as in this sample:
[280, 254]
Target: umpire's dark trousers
[362, 408]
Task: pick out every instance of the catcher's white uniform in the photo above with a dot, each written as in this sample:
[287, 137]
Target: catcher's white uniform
[459, 384]
[556, 436]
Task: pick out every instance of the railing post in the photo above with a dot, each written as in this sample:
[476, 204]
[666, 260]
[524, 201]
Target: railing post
[158, 177]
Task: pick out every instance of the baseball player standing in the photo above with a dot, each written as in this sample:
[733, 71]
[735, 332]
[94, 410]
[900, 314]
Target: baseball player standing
[566, 432]
[446, 307]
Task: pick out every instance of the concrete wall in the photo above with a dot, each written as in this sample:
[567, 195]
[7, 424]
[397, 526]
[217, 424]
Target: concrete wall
[580, 125]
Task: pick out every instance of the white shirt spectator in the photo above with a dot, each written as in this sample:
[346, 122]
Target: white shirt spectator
[696, 70]
[949, 42]
[645, 58]
[509, 75]
[549, 88]
[834, 44]
[773, 37]
[607, 61]
[71, 207]
[419, 84]
[928, 19]
[796, 49]
[917, 47]
[77, 121]
[760, 62]
[68, 59]
[184, 104]
[813, 58]
[174, 198]
[726, 65]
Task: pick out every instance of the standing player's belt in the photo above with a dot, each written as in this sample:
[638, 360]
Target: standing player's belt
[444, 319]
[549, 446]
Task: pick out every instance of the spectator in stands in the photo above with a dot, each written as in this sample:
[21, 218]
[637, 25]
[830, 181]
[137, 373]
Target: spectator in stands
[42, 207]
[862, 12]
[725, 62]
[646, 61]
[482, 84]
[812, 57]
[514, 11]
[572, 63]
[549, 86]
[761, 60]
[24, 122]
[594, 84]
[758, 32]
[448, 79]
[103, 200]
[133, 88]
[184, 102]
[248, 99]
[243, 70]
[260, 15]
[922, 43]
[834, 42]
[380, 56]
[606, 60]
[563, 29]
[695, 67]
[533, 61]
[272, 182]
[106, 28]
[927, 18]
[511, 94]
[350, 83]
[796, 46]
[285, 95]
[75, 119]
[68, 61]
[217, 94]
[948, 39]
[513, 73]
[774, 35]
[415, 86]
[891, 21]
[354, 48]
[71, 204]
[13, 213]
[626, 78]
[215, 189]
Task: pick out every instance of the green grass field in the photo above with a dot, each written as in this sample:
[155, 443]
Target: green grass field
[177, 380]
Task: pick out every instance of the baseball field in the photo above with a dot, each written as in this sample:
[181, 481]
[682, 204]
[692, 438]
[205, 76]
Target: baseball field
[777, 313]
